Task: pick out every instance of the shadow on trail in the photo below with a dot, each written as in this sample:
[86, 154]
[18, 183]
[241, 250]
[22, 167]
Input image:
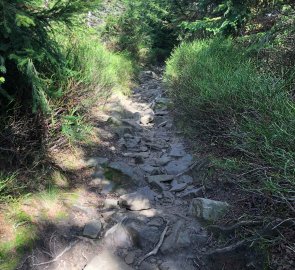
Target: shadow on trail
[59, 244]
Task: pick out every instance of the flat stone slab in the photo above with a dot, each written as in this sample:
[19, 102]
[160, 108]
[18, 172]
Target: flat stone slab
[122, 167]
[177, 150]
[159, 185]
[106, 260]
[146, 75]
[92, 229]
[130, 142]
[161, 113]
[161, 161]
[156, 221]
[148, 266]
[178, 187]
[132, 123]
[122, 130]
[179, 165]
[150, 169]
[137, 155]
[140, 148]
[136, 174]
[160, 178]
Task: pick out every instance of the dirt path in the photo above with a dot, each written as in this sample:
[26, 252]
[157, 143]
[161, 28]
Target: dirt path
[139, 210]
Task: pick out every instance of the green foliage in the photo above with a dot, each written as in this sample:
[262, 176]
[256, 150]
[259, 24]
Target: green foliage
[222, 90]
[75, 128]
[11, 252]
[52, 63]
[92, 74]
[93, 64]
[276, 46]
[205, 18]
[225, 17]
[143, 29]
[150, 29]
[29, 53]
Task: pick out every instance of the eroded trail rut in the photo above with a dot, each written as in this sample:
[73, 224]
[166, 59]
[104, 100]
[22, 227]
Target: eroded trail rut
[139, 211]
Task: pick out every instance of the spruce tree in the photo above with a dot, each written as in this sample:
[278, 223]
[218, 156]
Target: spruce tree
[29, 55]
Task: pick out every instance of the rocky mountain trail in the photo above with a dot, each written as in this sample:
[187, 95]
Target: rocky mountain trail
[143, 208]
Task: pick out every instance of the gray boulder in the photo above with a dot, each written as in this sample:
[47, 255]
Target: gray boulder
[208, 209]
[130, 257]
[147, 117]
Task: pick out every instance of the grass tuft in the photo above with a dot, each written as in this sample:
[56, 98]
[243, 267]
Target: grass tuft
[8, 186]
[246, 111]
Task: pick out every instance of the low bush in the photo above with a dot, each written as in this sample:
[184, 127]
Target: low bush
[251, 112]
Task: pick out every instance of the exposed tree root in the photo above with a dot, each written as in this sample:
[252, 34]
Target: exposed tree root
[231, 229]
[157, 247]
[268, 231]
[229, 248]
[59, 255]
